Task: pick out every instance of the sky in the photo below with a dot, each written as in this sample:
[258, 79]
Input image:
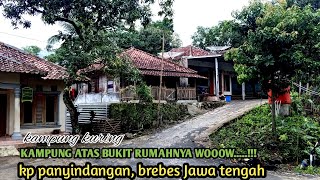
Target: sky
[188, 15]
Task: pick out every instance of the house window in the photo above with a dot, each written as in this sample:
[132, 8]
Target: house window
[39, 88]
[227, 83]
[50, 109]
[89, 88]
[27, 112]
[54, 88]
[39, 108]
[43, 110]
[110, 86]
[96, 85]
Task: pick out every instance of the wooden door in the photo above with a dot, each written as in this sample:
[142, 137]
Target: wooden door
[3, 114]
[39, 109]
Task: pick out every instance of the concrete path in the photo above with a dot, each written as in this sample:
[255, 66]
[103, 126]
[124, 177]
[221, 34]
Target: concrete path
[190, 134]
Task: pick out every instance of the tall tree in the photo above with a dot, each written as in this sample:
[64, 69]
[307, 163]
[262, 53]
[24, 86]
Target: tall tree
[94, 24]
[148, 38]
[91, 20]
[279, 44]
[34, 50]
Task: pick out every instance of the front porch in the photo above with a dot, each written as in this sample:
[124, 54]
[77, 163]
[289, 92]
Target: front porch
[128, 94]
[222, 79]
[10, 110]
[39, 115]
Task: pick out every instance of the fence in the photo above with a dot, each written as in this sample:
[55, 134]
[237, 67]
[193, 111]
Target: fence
[180, 93]
[166, 93]
[101, 113]
[186, 93]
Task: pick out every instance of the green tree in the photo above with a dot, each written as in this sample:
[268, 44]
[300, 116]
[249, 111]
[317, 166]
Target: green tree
[229, 32]
[93, 22]
[148, 38]
[279, 44]
[34, 50]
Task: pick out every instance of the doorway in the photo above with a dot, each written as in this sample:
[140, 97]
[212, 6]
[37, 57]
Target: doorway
[3, 114]
[50, 109]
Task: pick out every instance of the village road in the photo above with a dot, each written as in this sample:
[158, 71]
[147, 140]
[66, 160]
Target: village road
[189, 134]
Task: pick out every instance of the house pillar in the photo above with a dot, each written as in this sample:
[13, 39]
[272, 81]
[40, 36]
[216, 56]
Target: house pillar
[243, 91]
[217, 76]
[222, 82]
[16, 124]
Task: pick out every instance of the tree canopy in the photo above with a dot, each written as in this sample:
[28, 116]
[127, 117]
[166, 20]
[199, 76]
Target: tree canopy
[280, 42]
[231, 32]
[93, 24]
[148, 38]
[273, 42]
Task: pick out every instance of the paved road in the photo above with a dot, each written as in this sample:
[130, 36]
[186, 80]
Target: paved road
[190, 134]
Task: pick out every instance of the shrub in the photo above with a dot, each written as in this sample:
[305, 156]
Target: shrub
[144, 93]
[138, 116]
[297, 135]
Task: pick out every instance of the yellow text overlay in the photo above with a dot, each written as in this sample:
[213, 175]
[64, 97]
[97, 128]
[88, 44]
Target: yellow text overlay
[184, 153]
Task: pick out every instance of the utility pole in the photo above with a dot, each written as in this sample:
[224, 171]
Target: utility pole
[160, 87]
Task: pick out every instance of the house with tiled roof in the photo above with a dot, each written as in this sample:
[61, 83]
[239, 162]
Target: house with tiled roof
[210, 63]
[110, 89]
[30, 93]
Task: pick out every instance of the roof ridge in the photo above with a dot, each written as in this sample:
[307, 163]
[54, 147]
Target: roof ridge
[52, 70]
[193, 47]
[32, 67]
[29, 54]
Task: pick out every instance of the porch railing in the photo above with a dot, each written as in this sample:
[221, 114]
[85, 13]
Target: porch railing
[186, 93]
[180, 93]
[166, 93]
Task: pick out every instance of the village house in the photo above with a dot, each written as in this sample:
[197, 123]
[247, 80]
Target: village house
[31, 98]
[102, 89]
[221, 76]
[105, 89]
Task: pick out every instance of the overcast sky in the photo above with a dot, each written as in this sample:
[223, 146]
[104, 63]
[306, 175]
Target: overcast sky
[188, 15]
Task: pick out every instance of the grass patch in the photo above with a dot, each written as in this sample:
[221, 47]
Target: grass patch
[296, 134]
[308, 170]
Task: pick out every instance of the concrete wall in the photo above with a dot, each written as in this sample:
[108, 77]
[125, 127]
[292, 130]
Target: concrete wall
[62, 108]
[9, 78]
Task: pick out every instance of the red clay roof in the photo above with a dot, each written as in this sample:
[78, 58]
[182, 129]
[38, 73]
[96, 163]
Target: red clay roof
[191, 51]
[97, 66]
[10, 65]
[149, 64]
[16, 61]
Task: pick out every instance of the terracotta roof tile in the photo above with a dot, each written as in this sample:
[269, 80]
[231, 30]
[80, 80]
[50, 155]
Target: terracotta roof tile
[97, 66]
[149, 64]
[15, 60]
[190, 51]
[10, 65]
